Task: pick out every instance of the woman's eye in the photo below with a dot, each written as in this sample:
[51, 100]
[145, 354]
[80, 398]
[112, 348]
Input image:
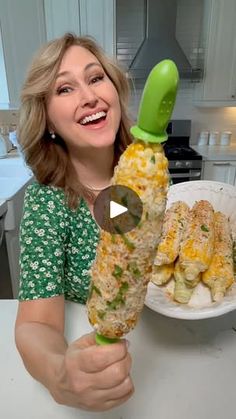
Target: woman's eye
[64, 89]
[97, 78]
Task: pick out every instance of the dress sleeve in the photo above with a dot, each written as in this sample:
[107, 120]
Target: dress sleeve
[42, 244]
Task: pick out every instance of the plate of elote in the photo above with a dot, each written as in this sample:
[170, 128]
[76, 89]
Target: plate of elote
[193, 275]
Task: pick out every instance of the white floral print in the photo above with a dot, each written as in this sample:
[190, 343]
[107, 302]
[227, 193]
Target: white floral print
[58, 246]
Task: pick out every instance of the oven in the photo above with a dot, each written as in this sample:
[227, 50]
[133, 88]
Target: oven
[184, 170]
[185, 164]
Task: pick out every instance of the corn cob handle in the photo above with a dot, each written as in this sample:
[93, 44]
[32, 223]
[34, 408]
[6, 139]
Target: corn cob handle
[183, 288]
[123, 264]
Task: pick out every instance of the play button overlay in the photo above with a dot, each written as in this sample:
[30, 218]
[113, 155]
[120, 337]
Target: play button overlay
[118, 209]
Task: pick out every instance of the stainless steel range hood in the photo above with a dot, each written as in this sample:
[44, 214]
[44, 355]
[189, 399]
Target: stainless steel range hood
[160, 42]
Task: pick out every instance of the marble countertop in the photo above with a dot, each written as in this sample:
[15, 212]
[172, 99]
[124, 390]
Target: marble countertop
[216, 152]
[181, 369]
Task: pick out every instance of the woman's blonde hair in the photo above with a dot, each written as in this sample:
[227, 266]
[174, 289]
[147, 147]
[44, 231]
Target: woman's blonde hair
[48, 159]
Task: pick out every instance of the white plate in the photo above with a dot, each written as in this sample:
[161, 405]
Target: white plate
[223, 198]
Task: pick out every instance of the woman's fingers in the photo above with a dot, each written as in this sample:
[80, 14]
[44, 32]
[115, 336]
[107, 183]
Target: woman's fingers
[113, 375]
[117, 395]
[96, 358]
[85, 341]
[114, 403]
[118, 392]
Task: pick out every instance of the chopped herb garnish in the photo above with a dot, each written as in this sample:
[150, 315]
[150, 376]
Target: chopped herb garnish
[117, 228]
[140, 224]
[101, 314]
[146, 215]
[133, 268]
[93, 288]
[135, 218]
[204, 228]
[90, 290]
[128, 243]
[124, 200]
[124, 287]
[153, 159]
[119, 299]
[118, 271]
[96, 290]
[113, 238]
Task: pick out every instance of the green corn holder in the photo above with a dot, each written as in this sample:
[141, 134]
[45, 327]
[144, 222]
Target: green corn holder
[155, 111]
[102, 340]
[157, 103]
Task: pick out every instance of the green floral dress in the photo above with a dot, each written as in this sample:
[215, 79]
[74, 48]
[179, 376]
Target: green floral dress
[58, 246]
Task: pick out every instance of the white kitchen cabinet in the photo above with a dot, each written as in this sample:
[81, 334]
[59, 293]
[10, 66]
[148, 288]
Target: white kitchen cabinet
[218, 87]
[95, 18]
[220, 171]
[61, 16]
[23, 31]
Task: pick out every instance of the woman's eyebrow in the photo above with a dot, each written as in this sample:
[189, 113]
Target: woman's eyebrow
[87, 67]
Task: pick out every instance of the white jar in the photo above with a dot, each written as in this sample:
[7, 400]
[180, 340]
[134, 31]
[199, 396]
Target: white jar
[203, 138]
[225, 138]
[214, 138]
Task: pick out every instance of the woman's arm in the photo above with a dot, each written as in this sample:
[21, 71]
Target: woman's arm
[39, 334]
[82, 374]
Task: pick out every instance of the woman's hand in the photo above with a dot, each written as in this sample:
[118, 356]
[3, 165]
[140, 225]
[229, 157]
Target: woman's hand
[92, 377]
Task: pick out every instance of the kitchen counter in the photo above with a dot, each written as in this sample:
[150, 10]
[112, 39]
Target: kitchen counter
[14, 175]
[181, 369]
[216, 152]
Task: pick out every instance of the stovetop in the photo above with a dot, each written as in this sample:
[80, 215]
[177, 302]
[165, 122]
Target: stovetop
[179, 149]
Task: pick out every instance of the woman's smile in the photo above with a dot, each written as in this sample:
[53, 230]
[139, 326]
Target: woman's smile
[94, 120]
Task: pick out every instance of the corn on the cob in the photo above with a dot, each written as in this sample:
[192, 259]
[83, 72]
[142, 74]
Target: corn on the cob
[123, 264]
[183, 289]
[196, 249]
[220, 274]
[162, 274]
[173, 226]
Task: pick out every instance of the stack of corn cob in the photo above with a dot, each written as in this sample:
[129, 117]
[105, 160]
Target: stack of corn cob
[204, 251]
[123, 263]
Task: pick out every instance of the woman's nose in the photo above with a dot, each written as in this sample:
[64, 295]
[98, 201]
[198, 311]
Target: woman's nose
[88, 96]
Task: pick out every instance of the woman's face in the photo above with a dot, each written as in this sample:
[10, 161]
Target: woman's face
[83, 107]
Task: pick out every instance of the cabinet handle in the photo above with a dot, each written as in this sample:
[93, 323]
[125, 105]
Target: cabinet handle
[221, 164]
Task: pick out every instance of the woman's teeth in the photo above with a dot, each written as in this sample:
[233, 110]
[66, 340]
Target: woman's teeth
[93, 117]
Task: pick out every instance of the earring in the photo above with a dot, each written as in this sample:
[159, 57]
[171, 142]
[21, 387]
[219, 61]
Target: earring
[53, 135]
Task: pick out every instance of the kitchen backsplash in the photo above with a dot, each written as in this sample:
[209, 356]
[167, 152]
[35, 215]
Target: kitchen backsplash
[209, 119]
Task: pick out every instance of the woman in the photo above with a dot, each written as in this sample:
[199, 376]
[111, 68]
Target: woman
[73, 127]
